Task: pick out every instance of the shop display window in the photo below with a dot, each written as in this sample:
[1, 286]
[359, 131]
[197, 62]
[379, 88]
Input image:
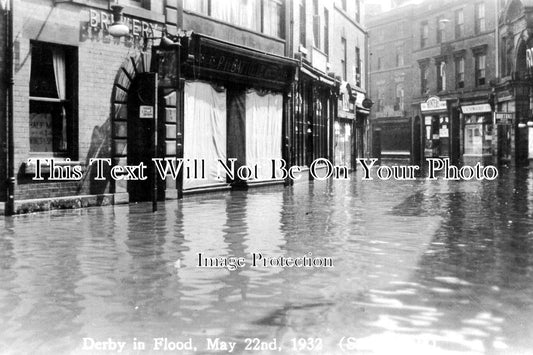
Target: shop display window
[478, 135]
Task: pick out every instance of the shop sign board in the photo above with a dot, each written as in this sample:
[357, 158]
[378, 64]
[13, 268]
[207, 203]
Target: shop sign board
[473, 109]
[434, 103]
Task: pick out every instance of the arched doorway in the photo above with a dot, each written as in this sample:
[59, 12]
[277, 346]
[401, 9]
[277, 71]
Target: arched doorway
[131, 136]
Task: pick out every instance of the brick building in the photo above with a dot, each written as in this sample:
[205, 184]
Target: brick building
[197, 77]
[393, 83]
[455, 71]
[329, 39]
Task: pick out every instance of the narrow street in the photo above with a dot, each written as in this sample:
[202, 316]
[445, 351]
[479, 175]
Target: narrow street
[427, 266]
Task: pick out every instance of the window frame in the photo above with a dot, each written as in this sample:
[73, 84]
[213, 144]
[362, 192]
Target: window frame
[424, 34]
[480, 22]
[459, 16]
[67, 107]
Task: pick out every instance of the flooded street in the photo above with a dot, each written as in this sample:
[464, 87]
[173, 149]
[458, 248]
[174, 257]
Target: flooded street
[418, 267]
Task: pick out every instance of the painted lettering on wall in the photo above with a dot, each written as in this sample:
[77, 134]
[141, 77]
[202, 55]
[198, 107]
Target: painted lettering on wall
[96, 29]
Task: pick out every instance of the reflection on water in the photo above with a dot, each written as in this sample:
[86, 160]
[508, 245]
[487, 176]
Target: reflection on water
[423, 266]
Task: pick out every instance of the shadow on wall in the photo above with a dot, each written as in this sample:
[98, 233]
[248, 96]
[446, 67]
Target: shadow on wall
[100, 148]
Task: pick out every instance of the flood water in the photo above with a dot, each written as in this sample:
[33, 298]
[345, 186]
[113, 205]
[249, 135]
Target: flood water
[420, 267]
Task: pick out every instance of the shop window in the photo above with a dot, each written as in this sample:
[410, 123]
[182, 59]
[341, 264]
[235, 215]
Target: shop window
[424, 34]
[52, 97]
[480, 70]
[478, 135]
[460, 73]
[480, 17]
[459, 23]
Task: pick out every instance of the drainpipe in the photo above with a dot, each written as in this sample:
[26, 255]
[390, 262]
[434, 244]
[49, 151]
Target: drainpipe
[10, 183]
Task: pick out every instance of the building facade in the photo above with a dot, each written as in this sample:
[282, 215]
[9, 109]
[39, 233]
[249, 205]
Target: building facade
[202, 80]
[393, 84]
[454, 66]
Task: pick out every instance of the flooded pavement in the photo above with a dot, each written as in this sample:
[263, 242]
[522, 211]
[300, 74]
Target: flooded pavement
[419, 267]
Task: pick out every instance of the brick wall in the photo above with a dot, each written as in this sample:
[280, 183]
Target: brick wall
[99, 60]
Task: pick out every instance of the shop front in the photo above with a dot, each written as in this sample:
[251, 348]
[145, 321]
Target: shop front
[436, 125]
[235, 110]
[477, 133]
[343, 130]
[314, 110]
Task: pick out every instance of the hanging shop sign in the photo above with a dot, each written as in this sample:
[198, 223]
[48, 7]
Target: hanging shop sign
[95, 27]
[473, 109]
[434, 103]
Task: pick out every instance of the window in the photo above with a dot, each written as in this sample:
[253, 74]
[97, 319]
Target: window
[423, 79]
[264, 16]
[379, 63]
[316, 25]
[357, 66]
[441, 29]
[480, 17]
[303, 23]
[53, 93]
[399, 104]
[460, 73]
[480, 60]
[459, 23]
[272, 18]
[343, 4]
[326, 31]
[343, 59]
[200, 6]
[358, 10]
[441, 75]
[424, 34]
[381, 99]
[399, 56]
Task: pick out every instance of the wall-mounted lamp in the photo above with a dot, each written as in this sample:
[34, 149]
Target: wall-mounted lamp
[118, 28]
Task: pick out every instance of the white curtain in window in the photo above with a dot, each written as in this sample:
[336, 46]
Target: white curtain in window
[199, 6]
[243, 13]
[204, 132]
[58, 59]
[263, 131]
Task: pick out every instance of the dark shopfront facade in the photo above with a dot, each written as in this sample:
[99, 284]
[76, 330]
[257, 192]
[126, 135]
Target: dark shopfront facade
[226, 102]
[315, 97]
[95, 111]
[461, 129]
